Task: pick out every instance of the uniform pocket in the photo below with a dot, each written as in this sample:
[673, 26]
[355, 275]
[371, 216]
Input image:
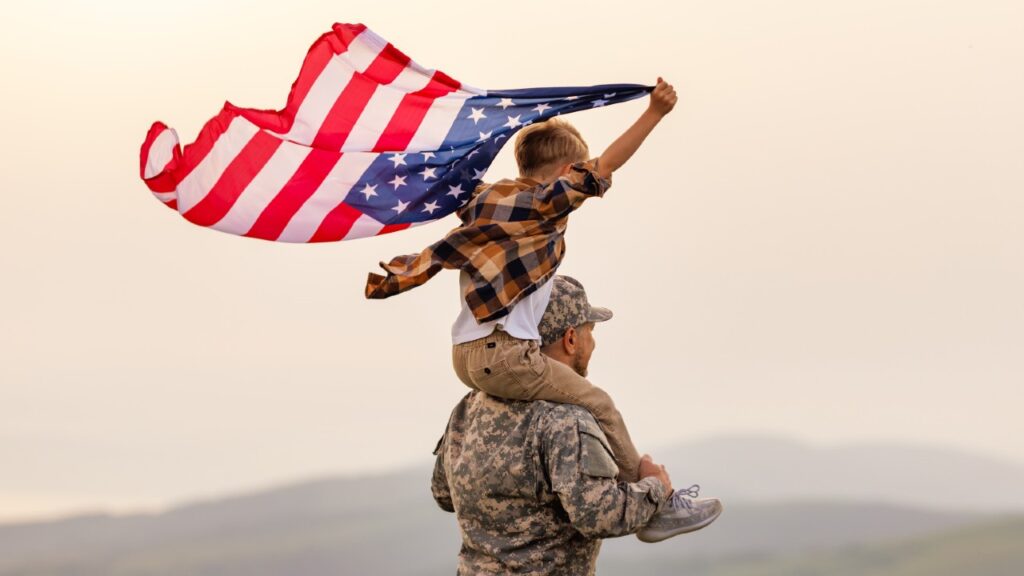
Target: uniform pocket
[596, 456]
[498, 379]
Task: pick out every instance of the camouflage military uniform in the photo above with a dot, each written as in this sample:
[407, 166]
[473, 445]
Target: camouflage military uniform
[533, 487]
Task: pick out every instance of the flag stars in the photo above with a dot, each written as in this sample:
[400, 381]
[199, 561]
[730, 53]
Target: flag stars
[400, 207]
[398, 181]
[476, 115]
[456, 191]
[478, 174]
[570, 98]
[609, 96]
[485, 135]
[513, 121]
[541, 108]
[429, 207]
[505, 103]
[398, 159]
[369, 190]
[428, 173]
[599, 102]
[427, 155]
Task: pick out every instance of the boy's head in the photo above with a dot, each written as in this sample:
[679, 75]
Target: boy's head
[544, 149]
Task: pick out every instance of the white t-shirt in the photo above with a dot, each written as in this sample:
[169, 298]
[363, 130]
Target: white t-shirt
[521, 322]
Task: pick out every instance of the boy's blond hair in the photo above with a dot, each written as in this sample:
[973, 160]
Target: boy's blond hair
[546, 144]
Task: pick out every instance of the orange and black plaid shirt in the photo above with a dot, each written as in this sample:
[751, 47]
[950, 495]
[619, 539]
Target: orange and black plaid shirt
[511, 241]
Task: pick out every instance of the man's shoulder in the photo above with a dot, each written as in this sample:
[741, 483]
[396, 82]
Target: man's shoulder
[556, 416]
[551, 411]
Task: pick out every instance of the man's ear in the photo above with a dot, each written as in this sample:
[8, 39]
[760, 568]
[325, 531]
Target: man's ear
[569, 341]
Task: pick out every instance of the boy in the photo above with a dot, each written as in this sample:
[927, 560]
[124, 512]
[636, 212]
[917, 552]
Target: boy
[508, 249]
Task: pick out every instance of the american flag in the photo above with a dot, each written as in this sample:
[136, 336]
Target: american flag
[368, 143]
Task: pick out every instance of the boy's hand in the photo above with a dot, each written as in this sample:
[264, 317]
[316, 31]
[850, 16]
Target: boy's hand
[649, 468]
[663, 98]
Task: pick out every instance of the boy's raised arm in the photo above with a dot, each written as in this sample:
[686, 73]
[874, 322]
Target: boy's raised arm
[663, 99]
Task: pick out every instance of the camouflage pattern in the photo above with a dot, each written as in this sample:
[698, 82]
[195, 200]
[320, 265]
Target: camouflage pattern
[568, 308]
[533, 487]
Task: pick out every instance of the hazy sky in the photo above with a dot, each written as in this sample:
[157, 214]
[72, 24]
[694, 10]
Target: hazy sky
[824, 241]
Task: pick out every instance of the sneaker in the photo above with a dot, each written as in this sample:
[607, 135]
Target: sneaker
[682, 513]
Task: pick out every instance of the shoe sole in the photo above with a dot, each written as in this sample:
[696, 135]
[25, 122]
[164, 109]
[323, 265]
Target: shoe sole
[660, 536]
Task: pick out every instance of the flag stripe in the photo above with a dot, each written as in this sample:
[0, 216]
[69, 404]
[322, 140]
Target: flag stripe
[279, 169]
[216, 154]
[337, 223]
[382, 106]
[353, 99]
[410, 114]
[364, 226]
[331, 192]
[160, 153]
[293, 195]
[233, 181]
[436, 122]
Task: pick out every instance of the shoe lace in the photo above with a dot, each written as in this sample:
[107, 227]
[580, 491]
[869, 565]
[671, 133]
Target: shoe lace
[681, 498]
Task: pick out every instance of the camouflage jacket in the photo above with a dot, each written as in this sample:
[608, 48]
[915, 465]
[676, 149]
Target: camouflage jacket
[533, 487]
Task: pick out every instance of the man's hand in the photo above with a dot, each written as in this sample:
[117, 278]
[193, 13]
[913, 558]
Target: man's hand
[663, 98]
[648, 468]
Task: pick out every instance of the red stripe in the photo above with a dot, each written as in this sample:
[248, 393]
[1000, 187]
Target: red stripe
[194, 153]
[393, 228]
[172, 204]
[410, 114]
[353, 99]
[311, 173]
[337, 224]
[317, 58]
[162, 181]
[219, 200]
[281, 122]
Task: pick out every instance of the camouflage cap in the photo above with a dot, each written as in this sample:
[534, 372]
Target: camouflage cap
[568, 308]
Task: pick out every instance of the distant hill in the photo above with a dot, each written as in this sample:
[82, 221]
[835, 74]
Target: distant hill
[992, 549]
[784, 502]
[759, 469]
[389, 525]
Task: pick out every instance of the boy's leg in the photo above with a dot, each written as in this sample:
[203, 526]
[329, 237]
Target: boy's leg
[515, 369]
[460, 356]
[563, 384]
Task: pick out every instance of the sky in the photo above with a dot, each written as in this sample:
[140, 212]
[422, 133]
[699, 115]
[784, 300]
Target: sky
[824, 241]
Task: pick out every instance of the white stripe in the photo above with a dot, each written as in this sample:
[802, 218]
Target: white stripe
[437, 122]
[332, 191]
[318, 102]
[363, 50]
[263, 188]
[198, 183]
[381, 107]
[329, 85]
[161, 151]
[165, 197]
[364, 226]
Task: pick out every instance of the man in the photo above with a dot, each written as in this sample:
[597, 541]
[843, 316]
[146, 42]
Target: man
[533, 483]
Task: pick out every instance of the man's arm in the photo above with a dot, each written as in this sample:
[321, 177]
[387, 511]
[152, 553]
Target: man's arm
[582, 473]
[663, 99]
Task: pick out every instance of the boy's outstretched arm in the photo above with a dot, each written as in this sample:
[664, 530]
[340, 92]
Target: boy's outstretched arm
[663, 99]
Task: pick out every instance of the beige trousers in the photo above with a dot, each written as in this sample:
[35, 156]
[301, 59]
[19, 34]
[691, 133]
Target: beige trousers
[508, 367]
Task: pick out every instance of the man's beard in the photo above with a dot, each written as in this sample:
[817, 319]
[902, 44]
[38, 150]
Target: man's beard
[577, 364]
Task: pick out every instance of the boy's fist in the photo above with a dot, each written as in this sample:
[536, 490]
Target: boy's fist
[663, 98]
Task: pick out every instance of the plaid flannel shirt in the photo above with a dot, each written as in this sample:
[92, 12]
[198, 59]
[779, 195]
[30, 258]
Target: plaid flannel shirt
[511, 241]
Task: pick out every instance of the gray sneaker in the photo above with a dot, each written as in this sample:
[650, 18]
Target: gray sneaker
[682, 513]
